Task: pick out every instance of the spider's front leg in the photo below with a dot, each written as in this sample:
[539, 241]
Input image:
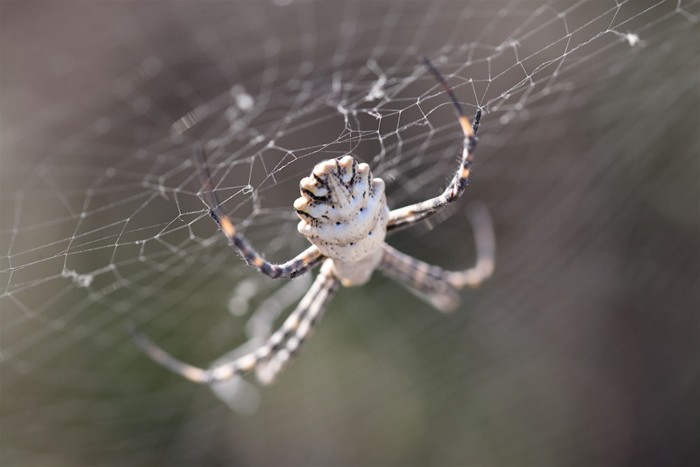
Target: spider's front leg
[300, 264]
[408, 215]
[278, 349]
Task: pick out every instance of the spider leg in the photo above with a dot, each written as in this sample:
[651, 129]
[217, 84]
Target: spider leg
[417, 212]
[435, 284]
[485, 240]
[285, 341]
[300, 264]
[268, 370]
[422, 279]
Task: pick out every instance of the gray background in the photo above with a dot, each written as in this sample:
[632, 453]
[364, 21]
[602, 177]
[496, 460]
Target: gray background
[581, 350]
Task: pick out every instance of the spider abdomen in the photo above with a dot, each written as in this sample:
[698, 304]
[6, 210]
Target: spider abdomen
[343, 212]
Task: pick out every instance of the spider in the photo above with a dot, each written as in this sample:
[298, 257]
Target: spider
[343, 213]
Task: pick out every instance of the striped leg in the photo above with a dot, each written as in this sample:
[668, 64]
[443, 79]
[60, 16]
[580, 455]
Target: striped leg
[285, 341]
[435, 284]
[421, 278]
[302, 263]
[485, 242]
[408, 215]
[268, 370]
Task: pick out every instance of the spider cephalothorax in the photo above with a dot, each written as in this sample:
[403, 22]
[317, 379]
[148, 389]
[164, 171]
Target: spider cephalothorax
[344, 215]
[343, 212]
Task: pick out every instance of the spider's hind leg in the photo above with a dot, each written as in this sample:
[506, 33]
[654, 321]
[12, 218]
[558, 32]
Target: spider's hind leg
[423, 279]
[485, 240]
[279, 347]
[436, 285]
[325, 287]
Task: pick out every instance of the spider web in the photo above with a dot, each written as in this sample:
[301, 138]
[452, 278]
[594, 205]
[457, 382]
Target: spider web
[583, 347]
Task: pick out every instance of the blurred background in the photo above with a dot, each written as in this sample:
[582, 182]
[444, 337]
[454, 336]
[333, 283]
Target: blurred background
[583, 349]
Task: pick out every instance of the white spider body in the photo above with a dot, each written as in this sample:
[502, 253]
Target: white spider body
[343, 212]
